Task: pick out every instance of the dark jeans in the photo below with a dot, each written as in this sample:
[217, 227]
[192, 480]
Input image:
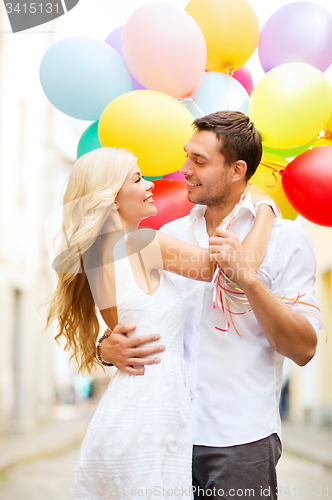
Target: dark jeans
[237, 472]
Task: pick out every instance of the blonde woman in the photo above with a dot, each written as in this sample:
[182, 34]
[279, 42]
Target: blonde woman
[140, 437]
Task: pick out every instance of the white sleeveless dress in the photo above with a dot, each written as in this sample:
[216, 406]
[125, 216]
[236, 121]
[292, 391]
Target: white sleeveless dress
[139, 442]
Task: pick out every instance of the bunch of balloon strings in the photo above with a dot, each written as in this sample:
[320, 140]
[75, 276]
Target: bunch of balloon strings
[227, 292]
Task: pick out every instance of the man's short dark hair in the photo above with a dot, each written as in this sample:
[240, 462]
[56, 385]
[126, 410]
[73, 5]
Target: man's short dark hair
[238, 137]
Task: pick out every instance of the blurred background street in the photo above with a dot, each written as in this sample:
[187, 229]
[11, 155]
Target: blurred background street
[49, 475]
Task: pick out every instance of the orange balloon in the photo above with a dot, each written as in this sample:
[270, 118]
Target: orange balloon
[328, 126]
[230, 29]
[264, 178]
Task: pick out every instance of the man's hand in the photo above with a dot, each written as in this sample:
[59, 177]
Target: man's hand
[130, 355]
[226, 250]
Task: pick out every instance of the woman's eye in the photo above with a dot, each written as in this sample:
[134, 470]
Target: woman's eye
[138, 180]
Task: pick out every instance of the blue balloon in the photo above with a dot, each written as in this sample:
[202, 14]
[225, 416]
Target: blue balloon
[81, 76]
[217, 92]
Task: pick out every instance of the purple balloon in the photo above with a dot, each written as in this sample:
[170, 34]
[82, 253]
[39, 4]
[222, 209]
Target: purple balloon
[298, 32]
[114, 40]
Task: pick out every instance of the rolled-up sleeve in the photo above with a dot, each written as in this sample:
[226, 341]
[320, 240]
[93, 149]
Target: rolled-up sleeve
[294, 273]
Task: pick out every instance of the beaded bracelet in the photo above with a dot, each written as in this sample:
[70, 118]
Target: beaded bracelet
[100, 359]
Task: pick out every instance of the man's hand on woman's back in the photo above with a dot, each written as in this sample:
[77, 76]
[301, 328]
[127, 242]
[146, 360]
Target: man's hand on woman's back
[129, 354]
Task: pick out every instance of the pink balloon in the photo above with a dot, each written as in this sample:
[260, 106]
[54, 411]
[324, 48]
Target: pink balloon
[164, 49]
[174, 175]
[114, 40]
[243, 76]
[297, 32]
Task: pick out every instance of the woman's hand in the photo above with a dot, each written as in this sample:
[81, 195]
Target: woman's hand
[260, 197]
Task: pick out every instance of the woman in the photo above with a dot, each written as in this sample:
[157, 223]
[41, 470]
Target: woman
[139, 441]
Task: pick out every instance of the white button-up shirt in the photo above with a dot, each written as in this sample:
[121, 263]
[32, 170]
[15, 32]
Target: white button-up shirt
[235, 382]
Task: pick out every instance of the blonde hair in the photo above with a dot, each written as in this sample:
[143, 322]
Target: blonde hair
[93, 185]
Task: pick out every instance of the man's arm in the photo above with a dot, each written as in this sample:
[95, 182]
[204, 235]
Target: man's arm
[130, 355]
[289, 332]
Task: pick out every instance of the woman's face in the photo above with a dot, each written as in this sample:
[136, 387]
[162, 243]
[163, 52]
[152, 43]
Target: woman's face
[134, 200]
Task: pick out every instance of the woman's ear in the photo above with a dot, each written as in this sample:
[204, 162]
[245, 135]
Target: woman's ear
[114, 206]
[239, 170]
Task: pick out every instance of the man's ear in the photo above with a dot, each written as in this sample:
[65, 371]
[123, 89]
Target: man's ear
[239, 170]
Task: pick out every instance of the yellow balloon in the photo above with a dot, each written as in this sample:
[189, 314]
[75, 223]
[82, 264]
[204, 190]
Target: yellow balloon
[291, 105]
[322, 142]
[150, 124]
[264, 178]
[230, 29]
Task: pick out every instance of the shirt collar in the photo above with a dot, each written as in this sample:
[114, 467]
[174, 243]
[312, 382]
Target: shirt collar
[199, 210]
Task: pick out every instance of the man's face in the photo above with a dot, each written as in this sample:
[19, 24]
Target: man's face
[207, 174]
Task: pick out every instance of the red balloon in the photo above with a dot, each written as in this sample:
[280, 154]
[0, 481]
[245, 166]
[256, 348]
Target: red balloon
[307, 182]
[170, 198]
[243, 76]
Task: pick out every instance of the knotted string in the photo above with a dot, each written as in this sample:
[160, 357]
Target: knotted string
[190, 101]
[274, 170]
[219, 294]
[227, 292]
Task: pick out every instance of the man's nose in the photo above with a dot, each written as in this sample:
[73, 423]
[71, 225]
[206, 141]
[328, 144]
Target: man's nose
[186, 169]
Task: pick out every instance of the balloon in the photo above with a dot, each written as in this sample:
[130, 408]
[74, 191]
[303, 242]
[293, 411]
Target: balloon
[297, 32]
[272, 183]
[322, 142]
[245, 106]
[89, 140]
[153, 178]
[243, 76]
[152, 125]
[170, 197]
[307, 182]
[328, 126]
[291, 105]
[175, 175]
[230, 28]
[80, 76]
[164, 49]
[291, 152]
[216, 93]
[114, 40]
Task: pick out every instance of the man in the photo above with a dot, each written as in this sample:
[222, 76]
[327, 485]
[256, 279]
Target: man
[234, 381]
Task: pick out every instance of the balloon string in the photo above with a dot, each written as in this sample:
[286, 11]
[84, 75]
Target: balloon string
[230, 71]
[327, 135]
[229, 74]
[272, 167]
[190, 101]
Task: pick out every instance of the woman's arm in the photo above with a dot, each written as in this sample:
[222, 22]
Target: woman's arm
[158, 250]
[185, 259]
[256, 242]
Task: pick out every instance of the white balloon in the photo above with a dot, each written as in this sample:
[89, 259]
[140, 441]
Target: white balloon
[217, 92]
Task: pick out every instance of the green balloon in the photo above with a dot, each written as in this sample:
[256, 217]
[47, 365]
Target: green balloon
[147, 178]
[289, 153]
[89, 140]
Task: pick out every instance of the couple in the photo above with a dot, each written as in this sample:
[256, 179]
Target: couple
[139, 443]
